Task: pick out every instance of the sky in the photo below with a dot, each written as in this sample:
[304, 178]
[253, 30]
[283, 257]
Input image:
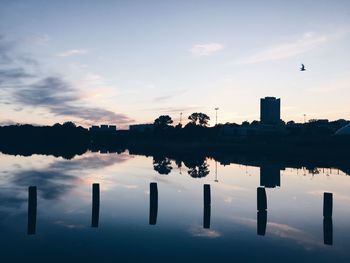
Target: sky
[127, 62]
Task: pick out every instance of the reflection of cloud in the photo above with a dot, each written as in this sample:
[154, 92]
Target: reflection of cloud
[129, 186]
[198, 231]
[70, 226]
[320, 193]
[284, 231]
[228, 199]
[51, 184]
[94, 161]
[60, 176]
[10, 199]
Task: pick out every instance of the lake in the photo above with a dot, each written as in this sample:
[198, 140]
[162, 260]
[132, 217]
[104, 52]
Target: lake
[132, 208]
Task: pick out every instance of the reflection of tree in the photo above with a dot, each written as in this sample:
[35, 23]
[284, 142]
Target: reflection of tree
[313, 171]
[162, 165]
[198, 168]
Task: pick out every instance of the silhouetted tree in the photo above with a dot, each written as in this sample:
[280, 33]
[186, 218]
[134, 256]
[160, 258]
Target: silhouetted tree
[199, 118]
[69, 124]
[163, 121]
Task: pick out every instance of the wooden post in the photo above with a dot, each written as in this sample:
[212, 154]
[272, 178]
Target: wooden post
[153, 202]
[32, 205]
[327, 218]
[95, 205]
[207, 206]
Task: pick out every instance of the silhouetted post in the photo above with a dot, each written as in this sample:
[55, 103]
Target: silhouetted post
[327, 204]
[262, 221]
[207, 206]
[153, 204]
[327, 218]
[32, 204]
[261, 199]
[95, 205]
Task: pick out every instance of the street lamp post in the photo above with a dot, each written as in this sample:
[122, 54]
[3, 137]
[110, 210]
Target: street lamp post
[216, 116]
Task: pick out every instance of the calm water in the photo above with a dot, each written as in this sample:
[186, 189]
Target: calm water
[122, 227]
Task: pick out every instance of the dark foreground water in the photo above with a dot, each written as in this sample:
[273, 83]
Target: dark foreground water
[124, 219]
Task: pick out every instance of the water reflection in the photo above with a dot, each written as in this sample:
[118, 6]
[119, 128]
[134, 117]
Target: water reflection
[327, 218]
[132, 184]
[262, 213]
[162, 165]
[95, 205]
[153, 203]
[197, 168]
[261, 221]
[32, 204]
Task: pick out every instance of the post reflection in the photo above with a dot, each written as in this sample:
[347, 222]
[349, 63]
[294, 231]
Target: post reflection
[262, 213]
[327, 218]
[95, 205]
[153, 204]
[207, 206]
[262, 221]
[32, 207]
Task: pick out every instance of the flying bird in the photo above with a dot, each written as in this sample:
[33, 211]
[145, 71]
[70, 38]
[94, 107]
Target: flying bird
[302, 67]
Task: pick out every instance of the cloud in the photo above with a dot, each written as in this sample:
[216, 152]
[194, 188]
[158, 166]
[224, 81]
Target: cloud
[307, 42]
[40, 39]
[174, 94]
[61, 99]
[24, 86]
[73, 52]
[175, 110]
[13, 74]
[200, 50]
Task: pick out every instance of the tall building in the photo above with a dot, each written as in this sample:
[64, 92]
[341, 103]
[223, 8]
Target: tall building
[270, 110]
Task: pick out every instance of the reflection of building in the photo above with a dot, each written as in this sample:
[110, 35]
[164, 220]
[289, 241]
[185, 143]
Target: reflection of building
[270, 176]
[148, 127]
[270, 110]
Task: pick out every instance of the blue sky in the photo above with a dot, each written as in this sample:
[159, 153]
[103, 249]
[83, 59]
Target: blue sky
[123, 62]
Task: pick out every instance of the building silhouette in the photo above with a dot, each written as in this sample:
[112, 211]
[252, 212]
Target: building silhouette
[270, 110]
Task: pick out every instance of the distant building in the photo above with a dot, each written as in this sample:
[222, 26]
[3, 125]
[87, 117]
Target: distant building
[148, 127]
[270, 111]
[103, 128]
